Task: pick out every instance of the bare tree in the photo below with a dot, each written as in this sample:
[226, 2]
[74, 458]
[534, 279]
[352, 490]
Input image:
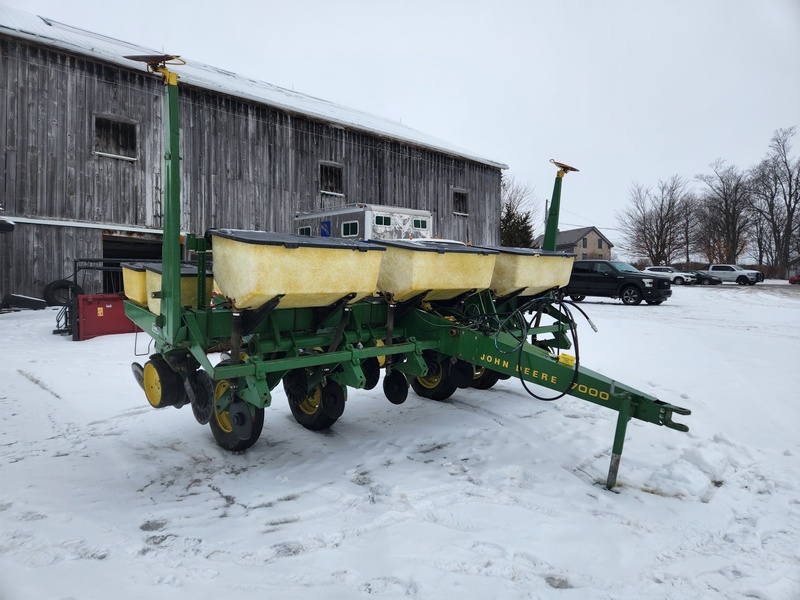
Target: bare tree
[654, 225]
[516, 219]
[762, 247]
[724, 214]
[688, 224]
[775, 184]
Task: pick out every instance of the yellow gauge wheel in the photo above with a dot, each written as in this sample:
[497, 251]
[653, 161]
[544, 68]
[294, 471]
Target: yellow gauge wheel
[437, 384]
[308, 410]
[311, 403]
[483, 378]
[162, 386]
[432, 380]
[220, 422]
[221, 404]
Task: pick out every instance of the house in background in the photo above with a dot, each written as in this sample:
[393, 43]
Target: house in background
[82, 141]
[586, 242]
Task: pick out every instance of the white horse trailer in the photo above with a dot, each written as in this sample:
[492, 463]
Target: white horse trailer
[366, 221]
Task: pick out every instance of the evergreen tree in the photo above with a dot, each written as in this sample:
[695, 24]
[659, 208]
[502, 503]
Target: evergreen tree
[516, 226]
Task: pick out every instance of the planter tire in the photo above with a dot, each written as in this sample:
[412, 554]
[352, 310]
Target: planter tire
[484, 378]
[436, 385]
[220, 423]
[61, 291]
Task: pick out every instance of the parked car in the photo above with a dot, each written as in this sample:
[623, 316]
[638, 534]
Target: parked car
[701, 278]
[616, 279]
[675, 276]
[794, 279]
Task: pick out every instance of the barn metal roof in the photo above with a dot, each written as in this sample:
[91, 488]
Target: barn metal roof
[74, 40]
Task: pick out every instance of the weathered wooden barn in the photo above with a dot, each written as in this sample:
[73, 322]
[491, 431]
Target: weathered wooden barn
[82, 136]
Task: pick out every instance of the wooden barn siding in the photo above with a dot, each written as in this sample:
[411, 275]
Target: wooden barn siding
[32, 256]
[48, 101]
[250, 166]
[48, 125]
[243, 165]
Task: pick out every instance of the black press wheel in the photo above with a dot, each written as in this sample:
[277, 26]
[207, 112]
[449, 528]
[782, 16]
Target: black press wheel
[577, 298]
[203, 396]
[484, 378]
[631, 295]
[61, 291]
[436, 385]
[223, 425]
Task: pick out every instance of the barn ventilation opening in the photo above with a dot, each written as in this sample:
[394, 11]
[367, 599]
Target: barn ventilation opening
[114, 138]
[460, 203]
[330, 179]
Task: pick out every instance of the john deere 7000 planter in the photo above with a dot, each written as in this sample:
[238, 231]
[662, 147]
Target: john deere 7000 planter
[321, 315]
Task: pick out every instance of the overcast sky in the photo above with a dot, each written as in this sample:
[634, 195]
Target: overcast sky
[623, 90]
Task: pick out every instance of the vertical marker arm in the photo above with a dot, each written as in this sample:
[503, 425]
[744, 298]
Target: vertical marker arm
[170, 318]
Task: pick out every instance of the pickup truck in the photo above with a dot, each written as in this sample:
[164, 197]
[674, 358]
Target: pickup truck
[615, 279]
[734, 274]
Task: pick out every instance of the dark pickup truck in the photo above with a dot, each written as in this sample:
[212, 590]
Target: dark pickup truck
[615, 279]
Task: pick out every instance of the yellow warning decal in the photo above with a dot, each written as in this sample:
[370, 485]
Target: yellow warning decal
[567, 360]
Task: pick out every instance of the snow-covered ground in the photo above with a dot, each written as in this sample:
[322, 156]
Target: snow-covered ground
[491, 494]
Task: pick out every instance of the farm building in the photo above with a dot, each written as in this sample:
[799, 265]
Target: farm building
[81, 130]
[586, 242]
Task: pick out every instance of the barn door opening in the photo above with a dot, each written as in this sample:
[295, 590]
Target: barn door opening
[119, 249]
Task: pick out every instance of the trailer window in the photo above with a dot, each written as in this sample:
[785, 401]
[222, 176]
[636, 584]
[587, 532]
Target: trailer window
[420, 224]
[113, 138]
[383, 220]
[350, 229]
[304, 231]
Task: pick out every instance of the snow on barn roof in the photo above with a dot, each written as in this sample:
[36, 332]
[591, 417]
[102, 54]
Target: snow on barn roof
[26, 26]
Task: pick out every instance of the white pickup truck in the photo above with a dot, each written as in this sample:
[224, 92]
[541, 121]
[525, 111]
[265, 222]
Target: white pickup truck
[734, 274]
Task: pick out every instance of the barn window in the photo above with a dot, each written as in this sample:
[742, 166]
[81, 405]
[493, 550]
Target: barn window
[114, 138]
[383, 220]
[420, 224]
[460, 202]
[330, 179]
[304, 231]
[350, 229]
